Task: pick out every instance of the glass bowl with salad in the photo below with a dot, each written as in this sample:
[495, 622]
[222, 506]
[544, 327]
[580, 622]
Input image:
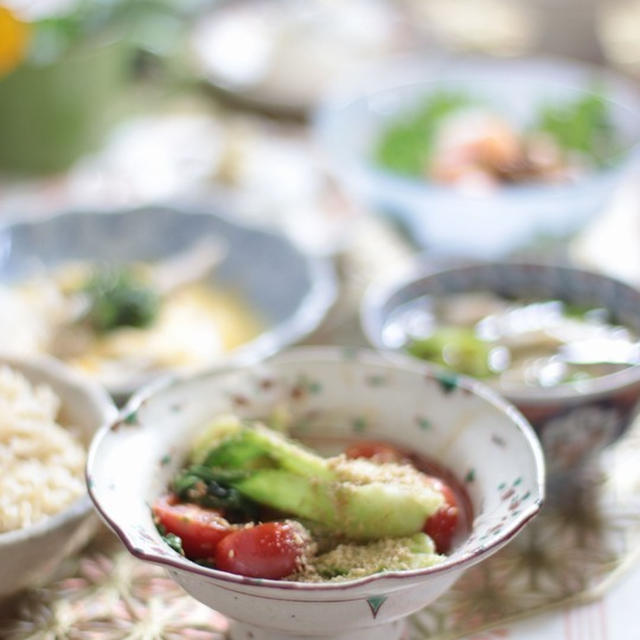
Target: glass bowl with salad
[561, 343]
[326, 492]
[478, 156]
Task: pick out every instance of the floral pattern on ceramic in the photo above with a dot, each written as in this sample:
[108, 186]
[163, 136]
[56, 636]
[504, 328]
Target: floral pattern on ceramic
[565, 417]
[332, 399]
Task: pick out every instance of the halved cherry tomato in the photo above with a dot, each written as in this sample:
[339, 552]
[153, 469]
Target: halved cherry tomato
[199, 529]
[374, 450]
[270, 550]
[443, 524]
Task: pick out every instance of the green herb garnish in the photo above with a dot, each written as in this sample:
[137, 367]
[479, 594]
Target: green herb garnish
[407, 143]
[211, 488]
[117, 298]
[583, 126]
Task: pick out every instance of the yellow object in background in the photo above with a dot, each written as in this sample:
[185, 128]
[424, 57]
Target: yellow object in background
[14, 38]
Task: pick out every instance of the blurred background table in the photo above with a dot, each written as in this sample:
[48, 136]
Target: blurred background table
[180, 142]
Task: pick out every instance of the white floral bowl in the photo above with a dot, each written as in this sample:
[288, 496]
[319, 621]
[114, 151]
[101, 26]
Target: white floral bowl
[332, 394]
[28, 556]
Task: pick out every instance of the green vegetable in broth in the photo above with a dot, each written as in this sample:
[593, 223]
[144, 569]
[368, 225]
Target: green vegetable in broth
[455, 347]
[519, 343]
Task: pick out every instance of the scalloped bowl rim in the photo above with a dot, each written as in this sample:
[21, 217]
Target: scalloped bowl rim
[324, 354]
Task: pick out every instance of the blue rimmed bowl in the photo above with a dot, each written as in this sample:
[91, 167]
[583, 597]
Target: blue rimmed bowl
[289, 291]
[446, 219]
[332, 394]
[574, 421]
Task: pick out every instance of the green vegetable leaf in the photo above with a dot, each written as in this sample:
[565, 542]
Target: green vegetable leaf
[455, 347]
[213, 488]
[297, 481]
[117, 299]
[583, 126]
[171, 539]
[407, 143]
[236, 452]
[174, 542]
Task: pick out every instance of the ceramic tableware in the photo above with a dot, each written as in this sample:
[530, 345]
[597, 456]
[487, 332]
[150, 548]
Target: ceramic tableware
[334, 395]
[289, 291]
[574, 420]
[28, 556]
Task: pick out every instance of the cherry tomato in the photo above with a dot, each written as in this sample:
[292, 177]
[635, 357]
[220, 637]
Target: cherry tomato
[374, 450]
[199, 529]
[443, 524]
[270, 550]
